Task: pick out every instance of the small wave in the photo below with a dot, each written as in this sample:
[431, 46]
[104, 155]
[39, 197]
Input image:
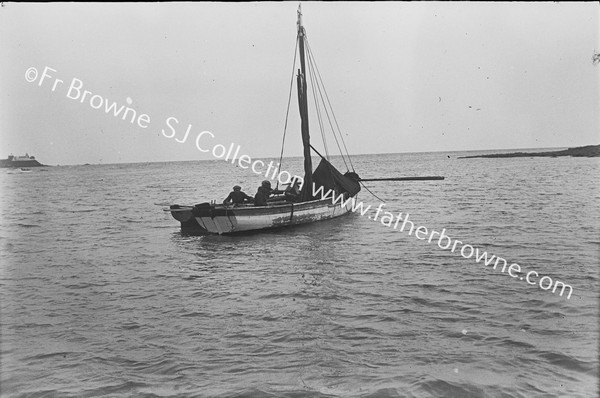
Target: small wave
[567, 362]
[127, 388]
[28, 225]
[193, 315]
[48, 355]
[305, 392]
[443, 388]
[85, 285]
[130, 326]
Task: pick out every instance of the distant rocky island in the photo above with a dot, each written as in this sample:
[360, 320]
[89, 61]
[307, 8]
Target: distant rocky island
[20, 161]
[588, 151]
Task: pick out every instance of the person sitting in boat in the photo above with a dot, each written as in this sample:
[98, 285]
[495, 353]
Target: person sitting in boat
[292, 193]
[263, 193]
[237, 197]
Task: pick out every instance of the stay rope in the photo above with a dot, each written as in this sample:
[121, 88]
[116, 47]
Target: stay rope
[333, 130]
[287, 112]
[314, 83]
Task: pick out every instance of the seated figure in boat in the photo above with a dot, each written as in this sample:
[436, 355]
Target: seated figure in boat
[263, 193]
[292, 193]
[237, 197]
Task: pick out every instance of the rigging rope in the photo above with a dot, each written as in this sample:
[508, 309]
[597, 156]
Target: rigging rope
[318, 87]
[377, 197]
[287, 112]
[314, 84]
[332, 113]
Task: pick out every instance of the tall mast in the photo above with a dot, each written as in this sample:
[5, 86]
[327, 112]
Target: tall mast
[306, 193]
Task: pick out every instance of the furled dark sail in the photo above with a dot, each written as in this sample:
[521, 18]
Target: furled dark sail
[306, 193]
[327, 176]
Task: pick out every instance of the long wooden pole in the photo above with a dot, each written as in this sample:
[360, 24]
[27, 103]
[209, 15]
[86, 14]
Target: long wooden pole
[391, 178]
[403, 179]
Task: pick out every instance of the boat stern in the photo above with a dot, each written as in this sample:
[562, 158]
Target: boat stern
[184, 214]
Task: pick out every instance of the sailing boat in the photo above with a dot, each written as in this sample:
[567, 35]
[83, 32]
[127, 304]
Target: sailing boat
[279, 212]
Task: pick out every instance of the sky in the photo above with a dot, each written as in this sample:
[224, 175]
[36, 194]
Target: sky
[401, 77]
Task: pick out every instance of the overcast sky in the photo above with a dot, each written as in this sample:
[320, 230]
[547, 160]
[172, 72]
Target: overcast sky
[402, 77]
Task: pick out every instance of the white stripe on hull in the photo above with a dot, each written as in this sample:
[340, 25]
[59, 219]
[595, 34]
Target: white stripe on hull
[255, 218]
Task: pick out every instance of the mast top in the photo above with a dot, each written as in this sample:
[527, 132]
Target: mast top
[299, 17]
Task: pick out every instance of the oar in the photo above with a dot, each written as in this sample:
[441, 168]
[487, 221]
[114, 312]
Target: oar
[403, 179]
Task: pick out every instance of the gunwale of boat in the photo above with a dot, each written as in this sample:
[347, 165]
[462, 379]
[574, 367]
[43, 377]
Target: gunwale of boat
[271, 208]
[221, 219]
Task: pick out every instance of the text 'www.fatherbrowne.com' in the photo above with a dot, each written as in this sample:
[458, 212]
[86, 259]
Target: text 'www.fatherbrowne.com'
[444, 242]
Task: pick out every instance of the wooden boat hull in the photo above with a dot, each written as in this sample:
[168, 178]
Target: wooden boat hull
[220, 219]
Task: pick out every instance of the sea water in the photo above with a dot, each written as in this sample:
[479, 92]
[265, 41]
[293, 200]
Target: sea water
[102, 295]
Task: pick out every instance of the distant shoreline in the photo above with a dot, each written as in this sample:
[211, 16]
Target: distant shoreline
[584, 151]
[588, 151]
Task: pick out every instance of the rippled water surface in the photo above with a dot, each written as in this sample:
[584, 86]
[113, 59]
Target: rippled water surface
[102, 295]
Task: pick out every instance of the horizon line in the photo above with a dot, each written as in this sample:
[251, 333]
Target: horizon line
[300, 156]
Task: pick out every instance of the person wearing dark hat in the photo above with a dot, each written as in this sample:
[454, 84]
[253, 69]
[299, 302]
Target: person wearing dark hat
[292, 192]
[263, 193]
[237, 196]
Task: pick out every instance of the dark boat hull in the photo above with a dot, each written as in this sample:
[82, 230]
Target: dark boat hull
[184, 215]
